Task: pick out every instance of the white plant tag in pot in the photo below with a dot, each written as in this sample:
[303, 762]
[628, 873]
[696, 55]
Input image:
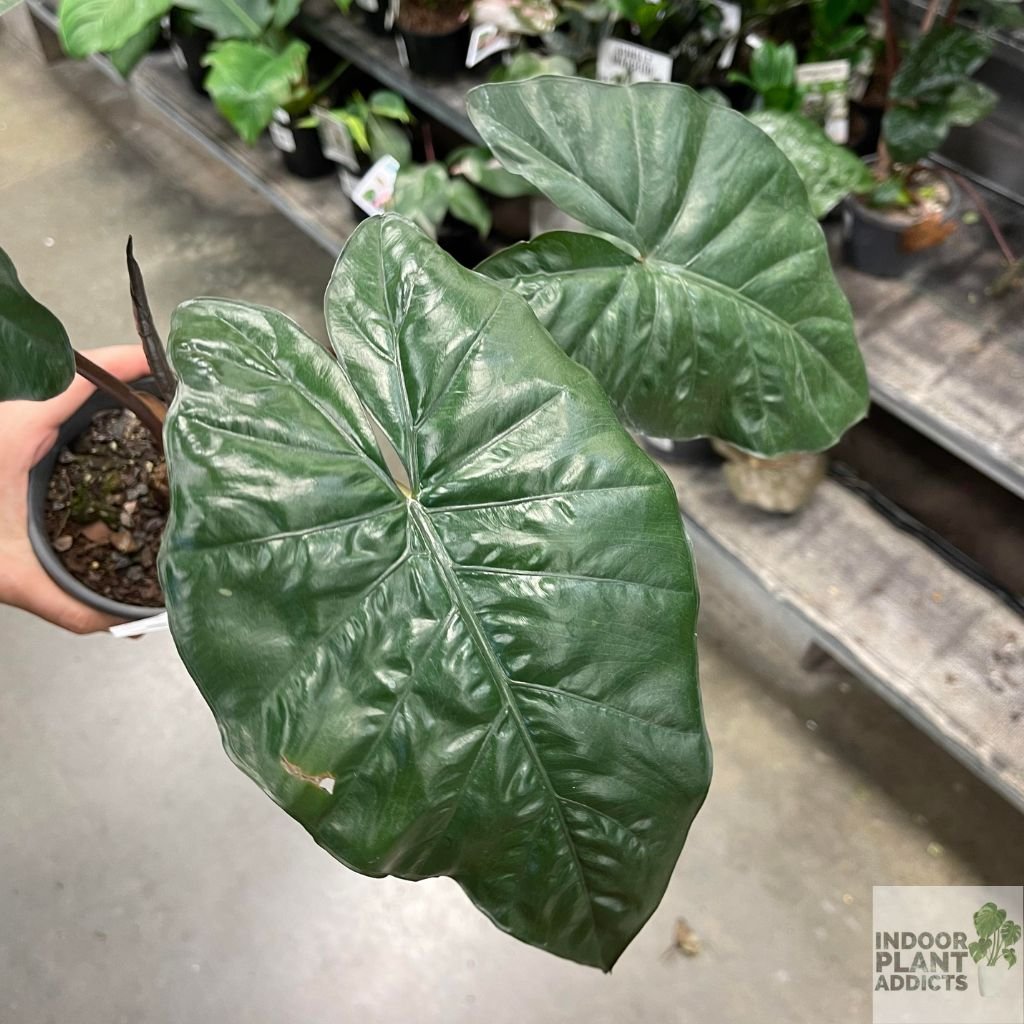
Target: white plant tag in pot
[486, 41]
[625, 63]
[281, 132]
[732, 20]
[140, 627]
[179, 55]
[374, 189]
[826, 86]
[335, 140]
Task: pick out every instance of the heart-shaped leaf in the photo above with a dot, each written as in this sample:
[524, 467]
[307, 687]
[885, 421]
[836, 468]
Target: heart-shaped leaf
[480, 666]
[249, 81]
[37, 359]
[100, 26]
[715, 310]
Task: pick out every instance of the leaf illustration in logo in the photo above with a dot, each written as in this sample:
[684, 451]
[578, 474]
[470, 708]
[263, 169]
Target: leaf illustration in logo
[988, 920]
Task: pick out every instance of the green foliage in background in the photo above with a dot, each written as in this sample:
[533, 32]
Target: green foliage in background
[932, 91]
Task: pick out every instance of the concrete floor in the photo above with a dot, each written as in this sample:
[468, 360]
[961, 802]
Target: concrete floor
[144, 879]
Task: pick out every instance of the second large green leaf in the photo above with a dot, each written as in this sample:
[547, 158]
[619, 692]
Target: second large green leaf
[481, 667]
[709, 307]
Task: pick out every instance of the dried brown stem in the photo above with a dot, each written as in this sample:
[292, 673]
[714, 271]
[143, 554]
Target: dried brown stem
[127, 396]
[982, 207]
[148, 334]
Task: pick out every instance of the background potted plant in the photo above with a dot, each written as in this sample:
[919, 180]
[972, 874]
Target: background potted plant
[257, 85]
[913, 204]
[372, 127]
[433, 36]
[125, 32]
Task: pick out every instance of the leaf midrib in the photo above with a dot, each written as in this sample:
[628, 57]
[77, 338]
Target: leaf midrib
[439, 554]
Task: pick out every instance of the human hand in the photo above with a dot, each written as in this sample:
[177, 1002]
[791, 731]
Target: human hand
[29, 430]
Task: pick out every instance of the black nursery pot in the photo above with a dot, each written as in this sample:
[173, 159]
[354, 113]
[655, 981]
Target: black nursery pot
[437, 56]
[38, 485]
[377, 21]
[695, 452]
[300, 148]
[873, 241]
[189, 43]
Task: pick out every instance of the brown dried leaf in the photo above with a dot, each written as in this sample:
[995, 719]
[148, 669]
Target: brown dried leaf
[925, 234]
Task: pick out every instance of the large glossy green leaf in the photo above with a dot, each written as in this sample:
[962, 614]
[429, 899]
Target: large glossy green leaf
[100, 26]
[231, 19]
[830, 172]
[36, 359]
[249, 81]
[486, 673]
[716, 313]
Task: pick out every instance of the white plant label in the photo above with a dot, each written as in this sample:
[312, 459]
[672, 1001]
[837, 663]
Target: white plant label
[281, 132]
[486, 41]
[624, 63]
[179, 56]
[732, 20]
[335, 140]
[372, 6]
[141, 627]
[826, 88]
[374, 189]
[403, 53]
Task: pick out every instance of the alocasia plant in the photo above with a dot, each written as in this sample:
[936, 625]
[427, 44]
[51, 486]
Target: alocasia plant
[705, 304]
[440, 603]
[481, 665]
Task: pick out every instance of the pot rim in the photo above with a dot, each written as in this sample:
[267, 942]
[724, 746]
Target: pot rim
[38, 483]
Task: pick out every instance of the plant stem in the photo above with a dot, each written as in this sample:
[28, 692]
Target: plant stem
[930, 14]
[891, 54]
[951, 12]
[986, 213]
[124, 394]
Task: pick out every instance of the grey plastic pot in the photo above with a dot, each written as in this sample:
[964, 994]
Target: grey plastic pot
[38, 485]
[873, 240]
